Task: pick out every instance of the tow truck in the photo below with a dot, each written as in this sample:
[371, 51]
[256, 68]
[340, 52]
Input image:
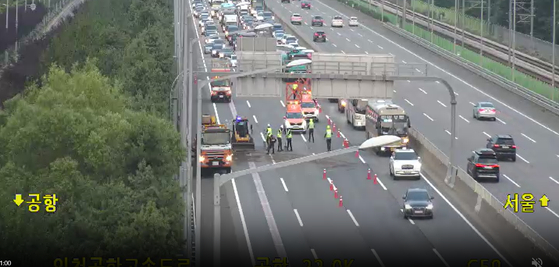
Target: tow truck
[310, 107]
[294, 118]
[215, 150]
[221, 90]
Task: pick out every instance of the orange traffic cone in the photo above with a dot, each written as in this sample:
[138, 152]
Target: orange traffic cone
[324, 175]
[369, 174]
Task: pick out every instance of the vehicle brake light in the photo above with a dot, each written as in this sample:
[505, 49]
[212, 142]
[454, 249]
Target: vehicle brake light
[480, 110]
[497, 146]
[214, 93]
[316, 34]
[514, 146]
[228, 92]
[483, 165]
[493, 110]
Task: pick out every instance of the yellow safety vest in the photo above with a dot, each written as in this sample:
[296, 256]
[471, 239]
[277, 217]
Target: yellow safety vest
[289, 134]
[279, 133]
[328, 133]
[311, 124]
[269, 131]
[294, 87]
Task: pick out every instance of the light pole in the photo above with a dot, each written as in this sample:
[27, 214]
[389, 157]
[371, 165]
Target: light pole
[553, 53]
[7, 4]
[171, 98]
[199, 137]
[219, 180]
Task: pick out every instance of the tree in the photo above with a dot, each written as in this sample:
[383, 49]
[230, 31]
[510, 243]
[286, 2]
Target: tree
[110, 166]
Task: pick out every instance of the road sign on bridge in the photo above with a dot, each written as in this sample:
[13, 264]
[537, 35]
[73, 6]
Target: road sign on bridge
[260, 44]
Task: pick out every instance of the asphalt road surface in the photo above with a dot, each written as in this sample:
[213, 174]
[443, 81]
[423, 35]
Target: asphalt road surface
[292, 213]
[534, 130]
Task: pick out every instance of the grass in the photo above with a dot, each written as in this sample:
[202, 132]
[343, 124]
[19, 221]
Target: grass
[500, 69]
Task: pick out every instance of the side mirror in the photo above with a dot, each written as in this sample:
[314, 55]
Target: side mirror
[404, 197]
[469, 159]
[284, 117]
[432, 197]
[418, 158]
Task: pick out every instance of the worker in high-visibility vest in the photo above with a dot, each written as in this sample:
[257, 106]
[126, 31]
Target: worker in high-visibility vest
[311, 130]
[268, 134]
[289, 136]
[294, 88]
[279, 135]
[328, 136]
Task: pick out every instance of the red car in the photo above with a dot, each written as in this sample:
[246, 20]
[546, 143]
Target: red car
[305, 4]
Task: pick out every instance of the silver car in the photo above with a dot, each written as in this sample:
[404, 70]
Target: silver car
[485, 110]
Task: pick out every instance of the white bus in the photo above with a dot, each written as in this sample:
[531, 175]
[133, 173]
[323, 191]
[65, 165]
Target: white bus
[355, 112]
[385, 118]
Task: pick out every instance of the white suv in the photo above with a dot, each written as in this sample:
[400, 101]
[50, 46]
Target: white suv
[404, 163]
[337, 21]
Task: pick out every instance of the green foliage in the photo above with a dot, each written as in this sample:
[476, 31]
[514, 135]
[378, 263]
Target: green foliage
[110, 166]
[132, 41]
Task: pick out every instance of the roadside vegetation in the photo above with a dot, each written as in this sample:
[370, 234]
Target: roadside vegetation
[94, 130]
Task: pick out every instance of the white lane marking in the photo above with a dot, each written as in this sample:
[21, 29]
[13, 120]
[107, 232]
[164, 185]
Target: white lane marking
[370, 41]
[304, 139]
[557, 156]
[394, 91]
[312, 28]
[380, 47]
[552, 212]
[342, 135]
[243, 221]
[523, 159]
[357, 46]
[352, 218]
[262, 135]
[360, 35]
[391, 54]
[313, 153]
[555, 181]
[255, 120]
[352, 30]
[378, 258]
[417, 70]
[342, 51]
[381, 184]
[508, 178]
[455, 77]
[428, 117]
[305, 21]
[314, 254]
[248, 104]
[409, 81]
[411, 104]
[486, 134]
[437, 82]
[284, 185]
[440, 257]
[272, 157]
[464, 118]
[327, 117]
[423, 91]
[334, 45]
[411, 221]
[272, 226]
[449, 133]
[362, 160]
[298, 217]
[403, 61]
[456, 94]
[283, 104]
[339, 34]
[501, 121]
[442, 104]
[366, 52]
[472, 103]
[527, 137]
[348, 39]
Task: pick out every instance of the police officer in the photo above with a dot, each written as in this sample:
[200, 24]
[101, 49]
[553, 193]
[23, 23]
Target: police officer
[311, 130]
[289, 136]
[279, 135]
[328, 136]
[268, 134]
[272, 144]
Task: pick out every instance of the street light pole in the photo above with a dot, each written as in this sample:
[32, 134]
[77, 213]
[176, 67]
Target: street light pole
[7, 12]
[553, 56]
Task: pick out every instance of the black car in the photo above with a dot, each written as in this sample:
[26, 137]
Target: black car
[319, 36]
[503, 145]
[209, 28]
[418, 203]
[285, 1]
[483, 164]
[317, 21]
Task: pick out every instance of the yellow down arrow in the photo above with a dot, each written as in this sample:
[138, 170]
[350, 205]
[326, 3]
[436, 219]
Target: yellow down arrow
[18, 200]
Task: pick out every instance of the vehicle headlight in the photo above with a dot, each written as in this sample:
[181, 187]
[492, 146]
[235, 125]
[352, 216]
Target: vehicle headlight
[429, 207]
[213, 52]
[273, 17]
[221, 54]
[343, 103]
[407, 206]
[229, 158]
[405, 140]
[201, 158]
[226, 33]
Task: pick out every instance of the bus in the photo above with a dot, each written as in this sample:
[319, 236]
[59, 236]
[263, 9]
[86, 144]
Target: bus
[385, 118]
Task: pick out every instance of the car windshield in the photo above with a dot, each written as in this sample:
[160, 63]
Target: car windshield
[277, 27]
[217, 46]
[219, 41]
[417, 196]
[405, 156]
[211, 28]
[267, 14]
[318, 17]
[308, 105]
[215, 138]
[227, 50]
[486, 105]
[320, 33]
[223, 83]
[233, 57]
[294, 115]
[290, 39]
[487, 160]
[337, 17]
[232, 28]
[353, 18]
[503, 141]
[280, 35]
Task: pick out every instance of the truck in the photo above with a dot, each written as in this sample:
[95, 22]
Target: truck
[241, 136]
[216, 152]
[386, 118]
[355, 111]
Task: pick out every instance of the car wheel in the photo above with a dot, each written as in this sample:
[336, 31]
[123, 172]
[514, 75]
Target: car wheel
[405, 216]
[474, 115]
[494, 119]
[432, 216]
[513, 159]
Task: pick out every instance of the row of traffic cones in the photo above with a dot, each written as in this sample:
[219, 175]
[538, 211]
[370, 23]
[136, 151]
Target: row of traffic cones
[339, 134]
[335, 189]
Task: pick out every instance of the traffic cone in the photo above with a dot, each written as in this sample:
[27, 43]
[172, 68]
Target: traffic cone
[324, 175]
[331, 186]
[341, 203]
[339, 134]
[333, 127]
[329, 121]
[369, 174]
[346, 143]
[375, 180]
[336, 193]
[357, 153]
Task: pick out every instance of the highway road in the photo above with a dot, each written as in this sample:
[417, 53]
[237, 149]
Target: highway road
[292, 212]
[534, 130]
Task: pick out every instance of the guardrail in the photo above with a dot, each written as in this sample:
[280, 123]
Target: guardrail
[495, 78]
[528, 64]
[419, 139]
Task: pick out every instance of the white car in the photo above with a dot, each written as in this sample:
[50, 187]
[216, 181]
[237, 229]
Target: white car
[260, 16]
[353, 22]
[285, 36]
[292, 40]
[485, 110]
[211, 39]
[233, 60]
[404, 163]
[337, 21]
[276, 32]
[284, 48]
